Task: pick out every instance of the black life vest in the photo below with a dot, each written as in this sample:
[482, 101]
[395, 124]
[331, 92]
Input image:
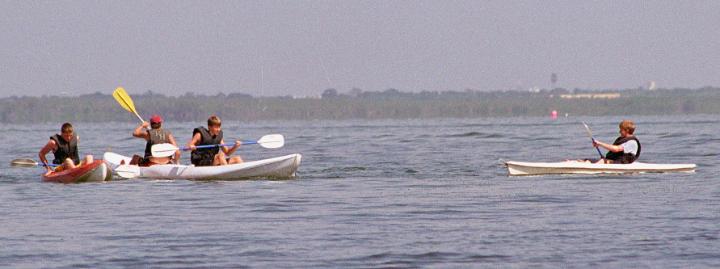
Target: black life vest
[65, 149]
[622, 157]
[205, 156]
[156, 136]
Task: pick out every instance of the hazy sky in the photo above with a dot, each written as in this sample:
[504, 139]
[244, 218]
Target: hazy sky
[304, 47]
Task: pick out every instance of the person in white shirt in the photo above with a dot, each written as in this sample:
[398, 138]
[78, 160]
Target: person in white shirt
[626, 148]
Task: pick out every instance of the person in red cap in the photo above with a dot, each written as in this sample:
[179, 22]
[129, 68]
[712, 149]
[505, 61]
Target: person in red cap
[155, 135]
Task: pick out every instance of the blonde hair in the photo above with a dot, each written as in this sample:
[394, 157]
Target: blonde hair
[628, 126]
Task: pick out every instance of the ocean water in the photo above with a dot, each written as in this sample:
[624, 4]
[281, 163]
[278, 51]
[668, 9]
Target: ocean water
[377, 194]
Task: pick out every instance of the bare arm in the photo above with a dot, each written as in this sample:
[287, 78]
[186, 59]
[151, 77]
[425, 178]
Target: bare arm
[231, 150]
[141, 131]
[50, 146]
[177, 152]
[610, 147]
[195, 139]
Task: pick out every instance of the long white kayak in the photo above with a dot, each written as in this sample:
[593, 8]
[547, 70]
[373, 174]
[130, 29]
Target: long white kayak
[279, 167]
[572, 167]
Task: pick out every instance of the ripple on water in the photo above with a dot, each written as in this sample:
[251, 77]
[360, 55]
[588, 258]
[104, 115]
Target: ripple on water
[394, 259]
[476, 135]
[417, 194]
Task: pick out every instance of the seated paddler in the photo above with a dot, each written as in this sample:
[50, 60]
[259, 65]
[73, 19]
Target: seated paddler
[64, 147]
[155, 135]
[217, 153]
[626, 148]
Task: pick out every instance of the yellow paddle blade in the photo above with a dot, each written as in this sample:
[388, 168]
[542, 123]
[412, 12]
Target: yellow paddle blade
[124, 99]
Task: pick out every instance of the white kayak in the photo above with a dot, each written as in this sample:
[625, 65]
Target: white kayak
[572, 167]
[279, 167]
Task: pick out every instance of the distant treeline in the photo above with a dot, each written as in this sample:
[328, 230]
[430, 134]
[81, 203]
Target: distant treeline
[358, 104]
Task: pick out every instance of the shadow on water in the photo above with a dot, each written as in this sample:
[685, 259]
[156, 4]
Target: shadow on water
[475, 134]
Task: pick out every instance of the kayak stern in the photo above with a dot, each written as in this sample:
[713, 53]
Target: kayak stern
[96, 171]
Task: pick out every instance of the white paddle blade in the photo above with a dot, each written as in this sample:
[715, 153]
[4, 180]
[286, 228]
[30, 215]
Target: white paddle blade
[128, 171]
[272, 141]
[116, 159]
[588, 130]
[23, 163]
[163, 150]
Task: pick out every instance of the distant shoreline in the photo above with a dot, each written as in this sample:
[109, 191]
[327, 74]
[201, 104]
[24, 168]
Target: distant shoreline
[389, 104]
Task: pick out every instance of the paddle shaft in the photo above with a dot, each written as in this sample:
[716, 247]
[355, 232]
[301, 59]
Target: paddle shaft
[140, 118]
[587, 128]
[274, 138]
[244, 142]
[598, 149]
[271, 141]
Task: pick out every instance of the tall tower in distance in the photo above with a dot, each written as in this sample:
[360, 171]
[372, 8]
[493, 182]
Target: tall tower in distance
[651, 85]
[553, 80]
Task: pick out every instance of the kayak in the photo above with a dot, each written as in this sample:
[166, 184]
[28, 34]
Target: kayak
[93, 172]
[278, 167]
[571, 167]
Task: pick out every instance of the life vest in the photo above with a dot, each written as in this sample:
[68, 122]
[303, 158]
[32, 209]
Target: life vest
[156, 136]
[622, 157]
[65, 149]
[205, 156]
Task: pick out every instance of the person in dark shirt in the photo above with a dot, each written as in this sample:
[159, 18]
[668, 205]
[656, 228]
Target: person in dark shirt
[64, 147]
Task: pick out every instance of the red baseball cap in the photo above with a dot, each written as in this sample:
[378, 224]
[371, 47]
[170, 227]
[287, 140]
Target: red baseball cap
[156, 119]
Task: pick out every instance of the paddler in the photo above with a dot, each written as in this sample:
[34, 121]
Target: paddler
[626, 148]
[212, 135]
[155, 135]
[64, 147]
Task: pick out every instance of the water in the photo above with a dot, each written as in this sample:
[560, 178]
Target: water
[391, 193]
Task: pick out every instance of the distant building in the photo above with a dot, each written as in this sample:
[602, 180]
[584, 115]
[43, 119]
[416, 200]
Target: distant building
[590, 96]
[306, 97]
[651, 85]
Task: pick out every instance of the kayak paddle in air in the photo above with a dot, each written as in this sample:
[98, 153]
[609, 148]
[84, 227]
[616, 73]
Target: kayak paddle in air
[125, 101]
[271, 141]
[592, 138]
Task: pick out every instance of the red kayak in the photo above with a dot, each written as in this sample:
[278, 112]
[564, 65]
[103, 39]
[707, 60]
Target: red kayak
[96, 171]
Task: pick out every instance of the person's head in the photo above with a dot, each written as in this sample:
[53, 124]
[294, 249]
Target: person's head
[214, 124]
[627, 127]
[156, 121]
[67, 132]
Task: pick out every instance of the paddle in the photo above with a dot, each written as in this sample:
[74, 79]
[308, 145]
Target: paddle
[125, 101]
[127, 171]
[271, 141]
[592, 138]
[28, 163]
